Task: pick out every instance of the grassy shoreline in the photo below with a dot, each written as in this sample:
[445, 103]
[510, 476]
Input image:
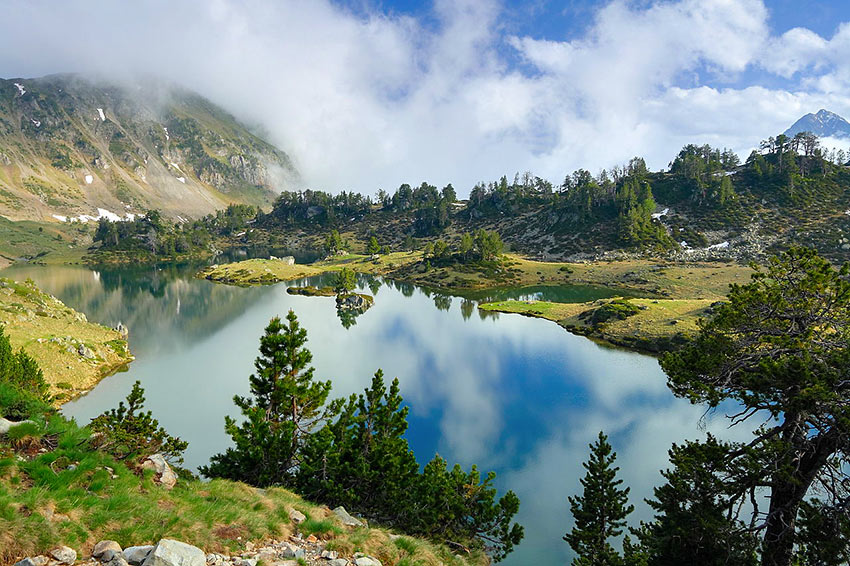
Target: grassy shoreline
[670, 297]
[73, 353]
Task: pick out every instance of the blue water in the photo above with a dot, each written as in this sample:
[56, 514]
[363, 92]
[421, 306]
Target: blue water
[513, 394]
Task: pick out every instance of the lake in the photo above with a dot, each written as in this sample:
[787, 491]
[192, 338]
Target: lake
[516, 395]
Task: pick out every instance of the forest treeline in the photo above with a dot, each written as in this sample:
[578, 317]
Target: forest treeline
[703, 189]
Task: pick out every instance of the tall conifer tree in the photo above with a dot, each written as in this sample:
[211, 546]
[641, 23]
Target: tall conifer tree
[600, 512]
[285, 406]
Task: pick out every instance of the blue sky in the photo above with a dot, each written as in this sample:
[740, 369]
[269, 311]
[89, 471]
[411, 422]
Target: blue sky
[369, 94]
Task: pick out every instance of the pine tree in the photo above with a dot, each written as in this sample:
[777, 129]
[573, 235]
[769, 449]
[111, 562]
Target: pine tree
[345, 281]
[693, 521]
[285, 407]
[600, 511]
[373, 247]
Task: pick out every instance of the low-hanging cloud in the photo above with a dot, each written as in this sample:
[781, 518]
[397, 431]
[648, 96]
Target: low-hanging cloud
[370, 101]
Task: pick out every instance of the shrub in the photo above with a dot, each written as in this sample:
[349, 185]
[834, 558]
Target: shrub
[128, 432]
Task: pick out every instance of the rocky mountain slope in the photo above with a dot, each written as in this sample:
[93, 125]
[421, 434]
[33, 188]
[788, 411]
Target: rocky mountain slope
[824, 124]
[72, 146]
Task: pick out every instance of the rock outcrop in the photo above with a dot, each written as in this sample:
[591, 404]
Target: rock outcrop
[165, 476]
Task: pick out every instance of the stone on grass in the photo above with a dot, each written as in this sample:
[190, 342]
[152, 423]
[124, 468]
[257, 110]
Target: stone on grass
[33, 561]
[367, 561]
[64, 555]
[297, 516]
[165, 476]
[135, 555]
[100, 549]
[347, 519]
[6, 424]
[169, 552]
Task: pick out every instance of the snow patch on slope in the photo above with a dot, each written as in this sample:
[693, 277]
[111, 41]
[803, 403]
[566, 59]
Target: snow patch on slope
[21, 90]
[102, 115]
[102, 213]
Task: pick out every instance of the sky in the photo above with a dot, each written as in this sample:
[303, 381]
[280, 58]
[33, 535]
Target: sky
[369, 94]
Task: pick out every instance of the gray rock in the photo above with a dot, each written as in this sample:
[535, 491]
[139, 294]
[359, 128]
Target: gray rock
[135, 555]
[367, 561]
[85, 352]
[292, 552]
[296, 516]
[33, 561]
[165, 476]
[247, 562]
[347, 519]
[100, 549]
[338, 562]
[116, 560]
[330, 554]
[64, 555]
[5, 424]
[122, 330]
[169, 552]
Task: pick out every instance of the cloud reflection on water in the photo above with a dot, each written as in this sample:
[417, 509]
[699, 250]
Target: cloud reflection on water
[513, 394]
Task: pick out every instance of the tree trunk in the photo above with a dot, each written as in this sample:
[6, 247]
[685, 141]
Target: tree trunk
[779, 533]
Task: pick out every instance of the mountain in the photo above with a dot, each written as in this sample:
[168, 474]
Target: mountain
[824, 124]
[70, 145]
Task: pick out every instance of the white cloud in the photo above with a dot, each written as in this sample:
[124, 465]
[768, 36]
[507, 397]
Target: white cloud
[369, 102]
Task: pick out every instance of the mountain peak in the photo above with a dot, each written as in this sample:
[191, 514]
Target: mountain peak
[824, 124]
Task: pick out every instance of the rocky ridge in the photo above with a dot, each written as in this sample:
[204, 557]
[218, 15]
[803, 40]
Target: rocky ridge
[76, 147]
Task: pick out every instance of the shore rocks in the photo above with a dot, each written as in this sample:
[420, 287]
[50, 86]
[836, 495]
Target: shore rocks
[64, 555]
[169, 552]
[294, 551]
[165, 476]
[135, 555]
[105, 550]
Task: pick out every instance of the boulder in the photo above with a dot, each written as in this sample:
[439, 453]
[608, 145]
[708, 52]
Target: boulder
[100, 549]
[116, 560]
[85, 352]
[169, 552]
[64, 555]
[165, 476]
[122, 330]
[5, 424]
[347, 519]
[135, 555]
[33, 561]
[338, 562]
[292, 552]
[296, 516]
[367, 561]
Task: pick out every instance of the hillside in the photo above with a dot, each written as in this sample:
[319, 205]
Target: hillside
[70, 146]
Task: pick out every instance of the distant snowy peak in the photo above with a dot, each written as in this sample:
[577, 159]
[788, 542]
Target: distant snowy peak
[824, 124]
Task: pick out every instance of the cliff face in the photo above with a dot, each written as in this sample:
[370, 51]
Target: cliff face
[70, 145]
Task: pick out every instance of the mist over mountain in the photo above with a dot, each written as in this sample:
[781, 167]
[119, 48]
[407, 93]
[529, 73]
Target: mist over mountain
[71, 145]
